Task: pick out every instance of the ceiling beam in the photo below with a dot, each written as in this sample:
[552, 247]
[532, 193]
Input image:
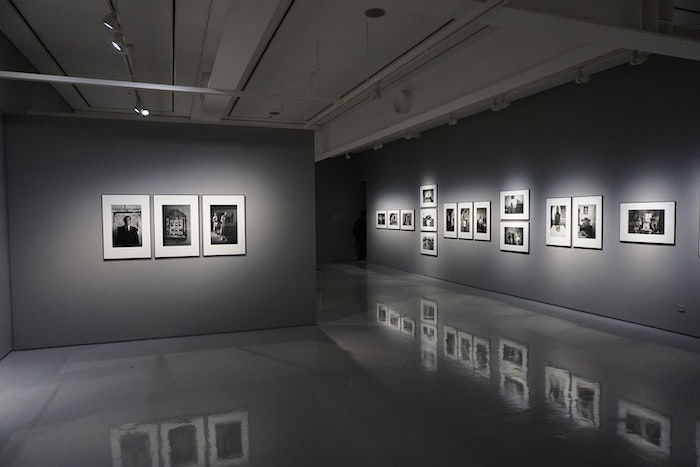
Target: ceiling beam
[111, 83]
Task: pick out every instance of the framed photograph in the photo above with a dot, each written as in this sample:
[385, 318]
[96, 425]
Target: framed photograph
[644, 427]
[585, 409]
[428, 220]
[428, 311]
[558, 219]
[223, 218]
[135, 445]
[465, 217]
[408, 219]
[428, 243]
[428, 196]
[176, 225]
[381, 219]
[183, 443]
[229, 439]
[648, 222]
[557, 388]
[449, 218]
[126, 226]
[393, 219]
[515, 236]
[588, 222]
[515, 205]
[408, 325]
[482, 221]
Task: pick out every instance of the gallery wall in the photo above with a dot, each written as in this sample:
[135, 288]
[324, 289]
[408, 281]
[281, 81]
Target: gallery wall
[630, 134]
[65, 293]
[5, 300]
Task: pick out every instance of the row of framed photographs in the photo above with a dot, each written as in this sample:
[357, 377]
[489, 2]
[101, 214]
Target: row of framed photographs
[126, 226]
[395, 219]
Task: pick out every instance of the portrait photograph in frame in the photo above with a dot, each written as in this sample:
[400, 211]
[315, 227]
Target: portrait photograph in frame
[558, 222]
[515, 205]
[176, 219]
[428, 196]
[428, 243]
[380, 219]
[393, 219]
[449, 220]
[587, 222]
[482, 221]
[428, 220]
[223, 225]
[126, 226]
[465, 221]
[515, 236]
[653, 222]
[408, 219]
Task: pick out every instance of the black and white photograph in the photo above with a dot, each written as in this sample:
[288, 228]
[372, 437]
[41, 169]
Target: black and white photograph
[135, 444]
[428, 220]
[428, 243]
[126, 226]
[393, 219]
[557, 389]
[428, 311]
[449, 342]
[381, 220]
[449, 220]
[183, 443]
[515, 236]
[587, 212]
[408, 326]
[465, 349]
[176, 225]
[515, 205]
[653, 222]
[558, 222]
[465, 219]
[644, 427]
[585, 406]
[428, 196]
[229, 439]
[223, 219]
[408, 219]
[482, 357]
[482, 221]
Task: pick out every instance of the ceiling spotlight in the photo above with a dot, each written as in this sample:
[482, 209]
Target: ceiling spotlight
[499, 103]
[452, 121]
[377, 146]
[110, 21]
[375, 12]
[638, 58]
[145, 112]
[140, 109]
[581, 77]
[119, 43]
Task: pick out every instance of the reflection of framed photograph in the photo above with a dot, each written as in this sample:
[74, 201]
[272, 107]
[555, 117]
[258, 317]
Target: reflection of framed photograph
[428, 333]
[408, 219]
[515, 236]
[515, 205]
[465, 351]
[428, 311]
[482, 221]
[513, 355]
[408, 326]
[183, 443]
[382, 313]
[557, 388]
[229, 441]
[644, 427]
[394, 319]
[176, 225]
[465, 216]
[558, 221]
[135, 445]
[449, 218]
[587, 223]
[428, 220]
[223, 217]
[449, 341]
[428, 243]
[585, 408]
[126, 226]
[648, 222]
[381, 219]
[393, 221]
[428, 196]
[482, 357]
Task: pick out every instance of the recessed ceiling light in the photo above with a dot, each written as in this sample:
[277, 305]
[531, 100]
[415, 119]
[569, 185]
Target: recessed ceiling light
[375, 12]
[110, 21]
[118, 42]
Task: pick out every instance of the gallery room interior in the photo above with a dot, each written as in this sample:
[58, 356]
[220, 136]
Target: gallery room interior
[343, 233]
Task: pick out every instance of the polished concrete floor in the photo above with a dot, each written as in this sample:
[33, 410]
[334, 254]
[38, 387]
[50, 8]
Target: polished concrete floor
[402, 371]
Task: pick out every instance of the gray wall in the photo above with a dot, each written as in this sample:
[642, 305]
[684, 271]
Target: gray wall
[631, 134]
[5, 300]
[64, 293]
[340, 196]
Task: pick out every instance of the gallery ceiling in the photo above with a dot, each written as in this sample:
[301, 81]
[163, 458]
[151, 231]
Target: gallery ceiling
[331, 65]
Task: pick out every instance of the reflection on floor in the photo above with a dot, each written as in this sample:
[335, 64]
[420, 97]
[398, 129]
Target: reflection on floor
[405, 370]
